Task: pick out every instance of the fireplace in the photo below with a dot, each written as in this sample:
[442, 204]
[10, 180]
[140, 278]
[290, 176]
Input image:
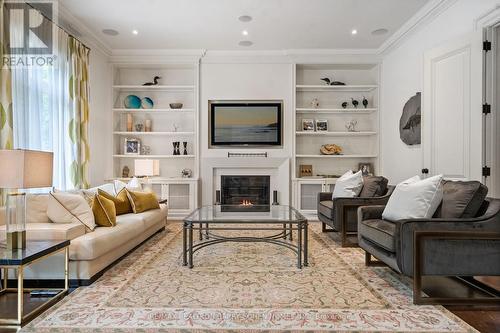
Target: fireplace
[245, 193]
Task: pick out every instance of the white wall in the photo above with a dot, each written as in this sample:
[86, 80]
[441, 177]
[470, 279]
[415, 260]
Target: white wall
[100, 118]
[402, 77]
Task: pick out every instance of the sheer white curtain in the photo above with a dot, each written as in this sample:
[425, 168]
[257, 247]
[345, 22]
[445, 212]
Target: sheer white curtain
[40, 107]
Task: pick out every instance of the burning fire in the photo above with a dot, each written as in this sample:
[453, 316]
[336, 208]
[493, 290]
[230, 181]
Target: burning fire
[246, 203]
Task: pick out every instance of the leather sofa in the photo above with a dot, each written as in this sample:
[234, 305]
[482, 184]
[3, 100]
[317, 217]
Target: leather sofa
[90, 252]
[340, 214]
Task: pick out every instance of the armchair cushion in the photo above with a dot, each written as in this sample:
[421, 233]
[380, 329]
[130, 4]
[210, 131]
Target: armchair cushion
[380, 232]
[326, 208]
[348, 185]
[461, 199]
[373, 186]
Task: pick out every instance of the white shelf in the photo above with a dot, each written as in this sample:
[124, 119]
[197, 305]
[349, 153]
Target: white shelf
[335, 156]
[153, 88]
[155, 133]
[311, 133]
[339, 111]
[154, 156]
[162, 111]
[346, 88]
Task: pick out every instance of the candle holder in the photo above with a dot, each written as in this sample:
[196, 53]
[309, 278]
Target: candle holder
[184, 144]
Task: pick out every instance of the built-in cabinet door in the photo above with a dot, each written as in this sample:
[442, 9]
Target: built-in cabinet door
[452, 109]
[308, 195]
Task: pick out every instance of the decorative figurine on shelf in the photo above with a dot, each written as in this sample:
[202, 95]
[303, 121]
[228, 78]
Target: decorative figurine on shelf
[344, 105]
[331, 149]
[184, 144]
[315, 103]
[365, 102]
[306, 170]
[154, 83]
[139, 127]
[354, 102]
[176, 145]
[332, 83]
[125, 172]
[175, 126]
[148, 127]
[351, 126]
[187, 173]
[130, 123]
[145, 150]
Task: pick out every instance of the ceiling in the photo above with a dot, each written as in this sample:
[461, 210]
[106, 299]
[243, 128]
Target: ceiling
[214, 24]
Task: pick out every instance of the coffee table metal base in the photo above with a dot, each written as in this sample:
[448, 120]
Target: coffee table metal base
[282, 237]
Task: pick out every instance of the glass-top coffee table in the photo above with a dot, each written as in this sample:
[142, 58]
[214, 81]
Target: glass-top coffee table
[277, 221]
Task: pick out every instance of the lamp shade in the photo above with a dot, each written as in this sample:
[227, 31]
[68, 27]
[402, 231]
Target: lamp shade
[25, 168]
[147, 168]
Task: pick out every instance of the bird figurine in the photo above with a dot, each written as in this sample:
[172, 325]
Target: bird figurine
[154, 83]
[332, 83]
[354, 102]
[365, 102]
[344, 105]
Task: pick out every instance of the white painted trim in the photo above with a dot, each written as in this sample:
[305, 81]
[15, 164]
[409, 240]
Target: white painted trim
[490, 18]
[88, 37]
[426, 14]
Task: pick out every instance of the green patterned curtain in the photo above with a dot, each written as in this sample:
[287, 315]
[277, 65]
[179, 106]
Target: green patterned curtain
[6, 137]
[79, 111]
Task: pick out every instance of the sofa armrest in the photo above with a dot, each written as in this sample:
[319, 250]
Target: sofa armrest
[324, 196]
[2, 216]
[370, 212]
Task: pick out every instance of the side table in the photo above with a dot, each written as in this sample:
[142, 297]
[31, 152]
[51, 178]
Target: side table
[17, 312]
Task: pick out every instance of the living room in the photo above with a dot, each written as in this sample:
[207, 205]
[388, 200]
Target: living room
[250, 165]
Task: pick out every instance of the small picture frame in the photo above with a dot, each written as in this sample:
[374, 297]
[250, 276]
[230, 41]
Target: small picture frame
[322, 125]
[366, 169]
[307, 125]
[132, 146]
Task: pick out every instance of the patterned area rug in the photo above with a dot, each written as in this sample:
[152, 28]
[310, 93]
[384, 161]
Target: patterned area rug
[245, 286]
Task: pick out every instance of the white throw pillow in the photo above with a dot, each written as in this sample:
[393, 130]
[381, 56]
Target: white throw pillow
[134, 185]
[349, 185]
[108, 188]
[414, 199]
[36, 208]
[70, 208]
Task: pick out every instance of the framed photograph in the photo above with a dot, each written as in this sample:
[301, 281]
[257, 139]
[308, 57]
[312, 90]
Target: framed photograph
[132, 147]
[307, 125]
[322, 125]
[366, 169]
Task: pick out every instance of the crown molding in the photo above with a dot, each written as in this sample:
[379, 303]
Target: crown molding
[426, 14]
[159, 56]
[489, 18]
[88, 37]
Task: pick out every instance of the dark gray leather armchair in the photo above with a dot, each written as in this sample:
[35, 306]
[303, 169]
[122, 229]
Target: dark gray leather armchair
[341, 214]
[466, 244]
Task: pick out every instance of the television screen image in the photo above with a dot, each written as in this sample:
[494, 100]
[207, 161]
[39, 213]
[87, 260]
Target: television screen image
[246, 123]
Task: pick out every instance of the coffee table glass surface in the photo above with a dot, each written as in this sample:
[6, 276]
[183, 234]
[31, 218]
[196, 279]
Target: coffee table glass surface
[242, 214]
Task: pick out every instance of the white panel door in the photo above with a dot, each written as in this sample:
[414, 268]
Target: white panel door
[452, 109]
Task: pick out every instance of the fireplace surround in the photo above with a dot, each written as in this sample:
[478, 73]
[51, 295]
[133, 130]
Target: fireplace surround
[241, 193]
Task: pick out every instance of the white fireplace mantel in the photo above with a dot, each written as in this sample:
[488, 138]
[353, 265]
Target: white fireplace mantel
[276, 167]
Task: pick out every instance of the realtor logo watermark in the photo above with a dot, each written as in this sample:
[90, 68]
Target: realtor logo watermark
[29, 36]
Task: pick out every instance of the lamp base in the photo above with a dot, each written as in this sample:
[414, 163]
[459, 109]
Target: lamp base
[16, 240]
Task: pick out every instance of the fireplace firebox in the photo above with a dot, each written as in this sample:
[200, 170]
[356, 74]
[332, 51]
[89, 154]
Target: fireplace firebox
[245, 193]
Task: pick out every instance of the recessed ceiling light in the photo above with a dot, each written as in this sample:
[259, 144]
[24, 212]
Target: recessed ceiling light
[354, 31]
[380, 32]
[245, 43]
[245, 18]
[244, 32]
[110, 32]
[135, 32]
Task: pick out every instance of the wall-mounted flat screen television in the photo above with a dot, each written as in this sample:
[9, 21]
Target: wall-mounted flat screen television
[245, 124]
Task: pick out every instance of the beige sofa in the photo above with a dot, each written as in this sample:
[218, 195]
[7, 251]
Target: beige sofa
[90, 252]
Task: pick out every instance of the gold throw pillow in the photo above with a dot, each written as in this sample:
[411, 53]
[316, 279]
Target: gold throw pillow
[142, 201]
[122, 204]
[104, 211]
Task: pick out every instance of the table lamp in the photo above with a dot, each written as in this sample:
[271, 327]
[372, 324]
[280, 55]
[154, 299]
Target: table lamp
[22, 169]
[145, 168]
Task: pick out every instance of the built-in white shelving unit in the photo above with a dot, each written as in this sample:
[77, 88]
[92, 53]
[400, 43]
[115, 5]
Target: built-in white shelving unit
[178, 84]
[359, 146]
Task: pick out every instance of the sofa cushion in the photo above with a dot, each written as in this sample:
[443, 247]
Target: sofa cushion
[121, 201]
[103, 240]
[349, 185]
[36, 208]
[52, 231]
[69, 208]
[380, 232]
[104, 211]
[414, 198]
[142, 201]
[154, 216]
[461, 199]
[373, 186]
[326, 208]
